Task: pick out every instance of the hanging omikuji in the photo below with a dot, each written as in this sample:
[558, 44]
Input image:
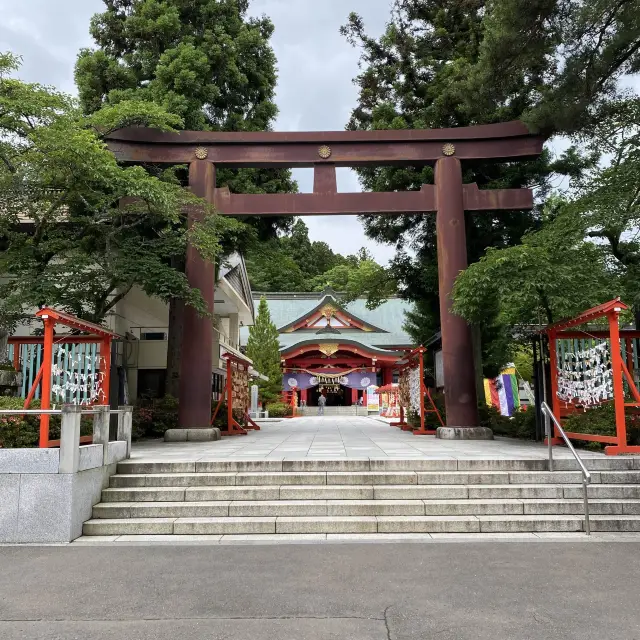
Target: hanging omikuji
[586, 376]
[80, 376]
[415, 389]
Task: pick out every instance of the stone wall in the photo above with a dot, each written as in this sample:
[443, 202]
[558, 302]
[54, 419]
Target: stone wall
[39, 504]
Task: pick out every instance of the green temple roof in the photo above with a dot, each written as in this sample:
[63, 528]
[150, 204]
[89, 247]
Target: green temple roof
[287, 308]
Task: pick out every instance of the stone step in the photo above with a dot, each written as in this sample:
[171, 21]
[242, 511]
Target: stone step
[361, 508]
[356, 524]
[615, 523]
[384, 464]
[368, 492]
[576, 507]
[605, 491]
[177, 480]
[530, 523]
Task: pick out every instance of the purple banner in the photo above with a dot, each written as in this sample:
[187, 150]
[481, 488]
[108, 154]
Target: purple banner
[353, 380]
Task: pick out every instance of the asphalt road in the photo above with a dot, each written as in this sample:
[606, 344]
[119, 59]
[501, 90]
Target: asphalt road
[460, 591]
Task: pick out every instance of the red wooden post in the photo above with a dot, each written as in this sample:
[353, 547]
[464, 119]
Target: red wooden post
[45, 398]
[16, 357]
[354, 396]
[229, 396]
[457, 349]
[303, 396]
[196, 357]
[553, 366]
[105, 385]
[616, 372]
[387, 376]
[421, 360]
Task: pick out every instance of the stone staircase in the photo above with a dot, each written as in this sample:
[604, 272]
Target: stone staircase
[333, 411]
[364, 497]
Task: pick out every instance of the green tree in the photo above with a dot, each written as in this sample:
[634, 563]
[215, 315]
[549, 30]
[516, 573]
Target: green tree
[208, 63]
[561, 60]
[607, 202]
[425, 71]
[359, 275]
[554, 273]
[292, 262]
[263, 348]
[67, 238]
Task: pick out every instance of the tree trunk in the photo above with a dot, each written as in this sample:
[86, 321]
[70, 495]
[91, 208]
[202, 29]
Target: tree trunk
[476, 340]
[4, 338]
[174, 347]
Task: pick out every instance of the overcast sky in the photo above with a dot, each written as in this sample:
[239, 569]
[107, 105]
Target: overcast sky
[316, 71]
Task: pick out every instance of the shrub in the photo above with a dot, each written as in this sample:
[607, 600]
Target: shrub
[601, 421]
[522, 425]
[24, 431]
[151, 418]
[280, 410]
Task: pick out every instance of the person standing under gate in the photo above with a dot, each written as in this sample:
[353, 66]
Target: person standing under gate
[321, 402]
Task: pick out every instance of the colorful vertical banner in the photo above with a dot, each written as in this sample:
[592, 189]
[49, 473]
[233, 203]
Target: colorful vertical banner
[502, 392]
[373, 400]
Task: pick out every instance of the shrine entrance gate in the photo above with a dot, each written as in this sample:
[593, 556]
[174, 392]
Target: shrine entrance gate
[449, 198]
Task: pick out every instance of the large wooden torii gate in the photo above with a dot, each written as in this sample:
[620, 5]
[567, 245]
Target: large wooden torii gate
[449, 198]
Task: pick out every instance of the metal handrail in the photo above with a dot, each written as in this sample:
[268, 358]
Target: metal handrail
[50, 412]
[586, 476]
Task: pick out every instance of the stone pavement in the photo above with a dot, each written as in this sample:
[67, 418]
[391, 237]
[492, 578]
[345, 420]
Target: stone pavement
[341, 437]
[462, 591]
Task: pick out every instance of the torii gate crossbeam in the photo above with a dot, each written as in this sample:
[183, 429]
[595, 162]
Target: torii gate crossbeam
[324, 151]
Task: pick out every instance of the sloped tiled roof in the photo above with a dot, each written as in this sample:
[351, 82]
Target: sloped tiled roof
[286, 308]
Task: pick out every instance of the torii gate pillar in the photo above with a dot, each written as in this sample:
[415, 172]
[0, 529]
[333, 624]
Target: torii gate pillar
[196, 355]
[457, 350]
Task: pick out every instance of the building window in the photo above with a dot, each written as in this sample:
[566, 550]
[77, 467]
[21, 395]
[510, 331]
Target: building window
[151, 383]
[218, 386]
[153, 335]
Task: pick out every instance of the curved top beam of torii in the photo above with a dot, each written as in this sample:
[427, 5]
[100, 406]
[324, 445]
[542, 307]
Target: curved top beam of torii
[503, 141]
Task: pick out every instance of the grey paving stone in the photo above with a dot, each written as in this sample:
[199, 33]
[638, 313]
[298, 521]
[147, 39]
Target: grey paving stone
[370, 477]
[472, 507]
[221, 466]
[333, 524]
[29, 460]
[329, 492]
[352, 464]
[282, 478]
[427, 524]
[143, 494]
[129, 526]
[279, 508]
[374, 507]
[9, 499]
[420, 492]
[224, 526]
[231, 493]
[506, 524]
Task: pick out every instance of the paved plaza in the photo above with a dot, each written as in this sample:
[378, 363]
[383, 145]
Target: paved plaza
[341, 437]
[488, 591]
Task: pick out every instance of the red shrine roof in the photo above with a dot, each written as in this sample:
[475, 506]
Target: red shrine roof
[75, 323]
[586, 316]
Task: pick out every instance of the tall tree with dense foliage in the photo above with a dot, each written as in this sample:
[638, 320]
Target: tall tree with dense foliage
[263, 347]
[444, 63]
[553, 273]
[585, 253]
[561, 60]
[67, 238]
[207, 62]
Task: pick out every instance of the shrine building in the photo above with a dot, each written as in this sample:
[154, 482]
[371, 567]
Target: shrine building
[334, 349]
